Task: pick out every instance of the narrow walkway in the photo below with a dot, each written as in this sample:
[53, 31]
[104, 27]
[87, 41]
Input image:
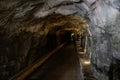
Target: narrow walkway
[64, 65]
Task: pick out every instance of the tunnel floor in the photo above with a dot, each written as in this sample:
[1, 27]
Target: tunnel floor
[64, 65]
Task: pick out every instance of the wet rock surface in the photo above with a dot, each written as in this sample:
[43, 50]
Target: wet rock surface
[22, 32]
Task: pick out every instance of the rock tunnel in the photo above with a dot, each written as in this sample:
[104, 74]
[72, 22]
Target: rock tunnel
[38, 39]
[59, 28]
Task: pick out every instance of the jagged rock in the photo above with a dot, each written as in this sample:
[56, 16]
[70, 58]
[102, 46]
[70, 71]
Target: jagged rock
[52, 3]
[22, 31]
[66, 10]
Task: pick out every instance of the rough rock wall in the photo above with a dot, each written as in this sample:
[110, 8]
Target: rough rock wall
[21, 30]
[105, 38]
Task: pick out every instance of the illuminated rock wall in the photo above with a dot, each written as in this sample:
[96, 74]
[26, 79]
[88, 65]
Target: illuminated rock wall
[21, 31]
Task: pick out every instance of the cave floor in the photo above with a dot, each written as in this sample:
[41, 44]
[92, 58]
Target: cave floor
[64, 65]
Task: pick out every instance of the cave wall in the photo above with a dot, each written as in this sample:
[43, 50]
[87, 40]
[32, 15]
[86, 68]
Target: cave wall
[105, 39]
[21, 31]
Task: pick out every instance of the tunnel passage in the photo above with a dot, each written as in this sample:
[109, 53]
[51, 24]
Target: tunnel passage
[58, 29]
[55, 30]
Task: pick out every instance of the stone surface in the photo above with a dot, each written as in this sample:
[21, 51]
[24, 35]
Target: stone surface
[21, 31]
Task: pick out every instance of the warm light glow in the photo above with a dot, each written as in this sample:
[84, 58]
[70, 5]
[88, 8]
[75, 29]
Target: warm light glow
[84, 50]
[86, 62]
[81, 53]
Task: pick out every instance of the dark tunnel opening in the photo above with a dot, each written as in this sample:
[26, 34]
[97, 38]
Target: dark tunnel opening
[54, 40]
[64, 36]
[51, 41]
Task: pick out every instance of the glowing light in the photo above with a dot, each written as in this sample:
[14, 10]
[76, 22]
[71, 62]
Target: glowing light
[87, 62]
[81, 53]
